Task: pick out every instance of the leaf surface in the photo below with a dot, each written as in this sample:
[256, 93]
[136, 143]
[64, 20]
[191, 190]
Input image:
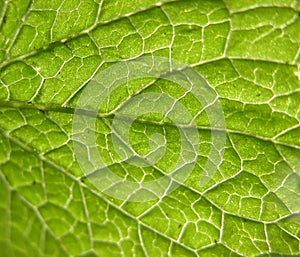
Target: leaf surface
[249, 53]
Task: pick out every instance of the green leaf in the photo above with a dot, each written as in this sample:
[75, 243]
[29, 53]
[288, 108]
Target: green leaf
[248, 51]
